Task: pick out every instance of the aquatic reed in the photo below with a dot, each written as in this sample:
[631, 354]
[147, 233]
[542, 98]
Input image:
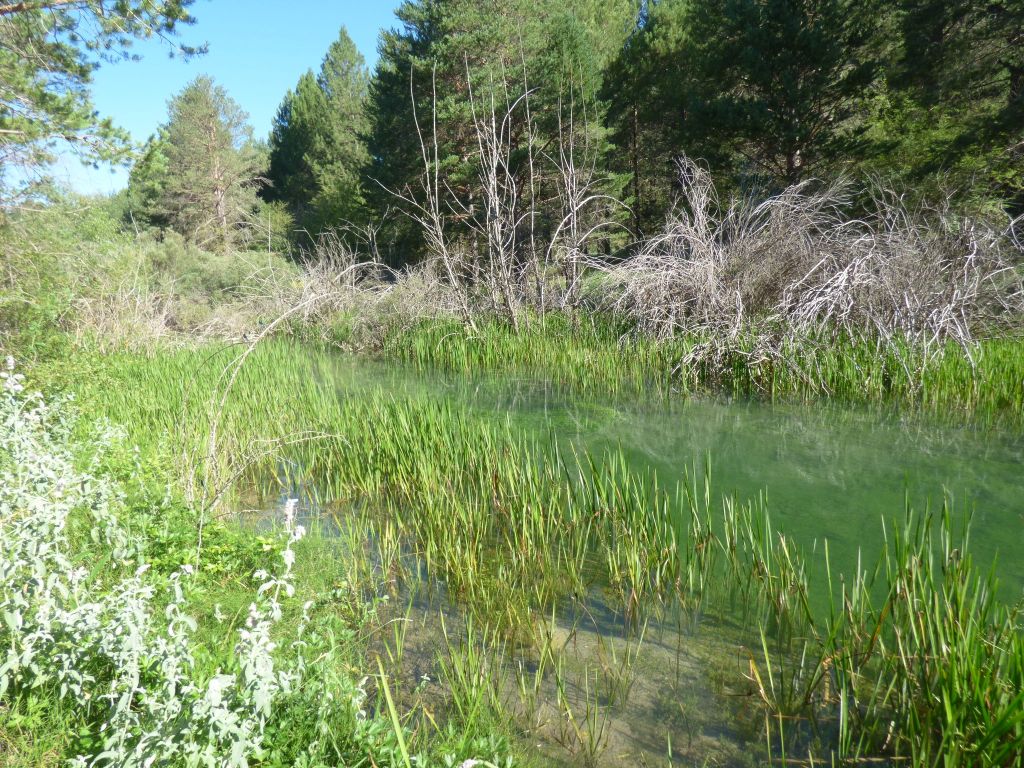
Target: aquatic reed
[909, 660]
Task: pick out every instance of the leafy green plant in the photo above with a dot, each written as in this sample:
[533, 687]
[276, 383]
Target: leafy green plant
[100, 641]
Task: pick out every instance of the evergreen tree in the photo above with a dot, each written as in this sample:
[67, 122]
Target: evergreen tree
[451, 56]
[647, 86]
[318, 141]
[403, 80]
[779, 83]
[49, 50]
[954, 103]
[339, 149]
[299, 118]
[212, 166]
[147, 183]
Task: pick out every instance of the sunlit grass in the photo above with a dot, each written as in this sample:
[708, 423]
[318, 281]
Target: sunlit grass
[915, 659]
[590, 353]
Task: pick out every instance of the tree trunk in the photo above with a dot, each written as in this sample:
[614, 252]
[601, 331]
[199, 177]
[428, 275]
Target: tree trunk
[635, 131]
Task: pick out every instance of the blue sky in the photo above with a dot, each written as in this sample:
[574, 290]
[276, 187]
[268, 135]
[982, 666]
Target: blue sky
[258, 50]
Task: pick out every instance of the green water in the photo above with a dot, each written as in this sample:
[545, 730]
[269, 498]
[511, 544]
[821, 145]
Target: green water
[826, 472]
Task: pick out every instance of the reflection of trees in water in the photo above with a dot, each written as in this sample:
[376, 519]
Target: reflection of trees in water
[838, 473]
[828, 471]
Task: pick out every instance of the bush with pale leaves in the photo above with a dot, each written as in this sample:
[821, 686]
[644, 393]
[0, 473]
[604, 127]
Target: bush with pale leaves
[107, 648]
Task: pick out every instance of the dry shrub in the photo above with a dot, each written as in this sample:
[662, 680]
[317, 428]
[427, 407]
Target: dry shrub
[421, 292]
[677, 278]
[335, 286]
[129, 316]
[308, 293]
[796, 263]
[925, 275]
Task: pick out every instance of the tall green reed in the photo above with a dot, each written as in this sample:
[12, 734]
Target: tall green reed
[591, 352]
[514, 526]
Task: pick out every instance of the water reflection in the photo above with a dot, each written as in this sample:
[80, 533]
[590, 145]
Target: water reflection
[826, 471]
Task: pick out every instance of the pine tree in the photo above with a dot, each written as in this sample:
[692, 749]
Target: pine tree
[212, 166]
[49, 50]
[339, 152]
[451, 57]
[646, 87]
[318, 145]
[147, 182]
[954, 107]
[300, 117]
[779, 83]
[402, 80]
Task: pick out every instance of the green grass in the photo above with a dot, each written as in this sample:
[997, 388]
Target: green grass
[339, 605]
[915, 660]
[590, 353]
[912, 660]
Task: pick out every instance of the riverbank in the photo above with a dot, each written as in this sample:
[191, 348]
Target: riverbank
[547, 541]
[490, 582]
[589, 354]
[919, 342]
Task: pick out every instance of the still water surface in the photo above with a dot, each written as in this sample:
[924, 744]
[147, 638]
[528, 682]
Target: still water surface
[826, 472]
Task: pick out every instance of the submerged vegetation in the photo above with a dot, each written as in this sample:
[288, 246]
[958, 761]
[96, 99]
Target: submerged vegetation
[525, 539]
[125, 644]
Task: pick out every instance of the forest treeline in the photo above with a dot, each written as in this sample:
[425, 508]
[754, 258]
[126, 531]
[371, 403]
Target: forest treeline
[507, 123]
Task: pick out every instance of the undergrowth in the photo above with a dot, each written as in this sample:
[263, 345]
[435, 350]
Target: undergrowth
[126, 642]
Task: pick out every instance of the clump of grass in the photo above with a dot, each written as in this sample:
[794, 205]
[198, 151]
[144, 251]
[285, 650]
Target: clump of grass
[585, 354]
[941, 676]
[592, 354]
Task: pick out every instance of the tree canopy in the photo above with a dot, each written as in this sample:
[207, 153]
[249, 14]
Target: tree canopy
[49, 50]
[587, 106]
[317, 146]
[199, 175]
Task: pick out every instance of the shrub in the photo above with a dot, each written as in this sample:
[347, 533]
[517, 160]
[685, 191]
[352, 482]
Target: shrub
[100, 641]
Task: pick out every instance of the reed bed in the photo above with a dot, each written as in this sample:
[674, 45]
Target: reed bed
[588, 354]
[912, 660]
